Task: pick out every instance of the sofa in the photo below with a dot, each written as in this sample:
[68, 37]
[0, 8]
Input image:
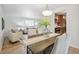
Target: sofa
[14, 36]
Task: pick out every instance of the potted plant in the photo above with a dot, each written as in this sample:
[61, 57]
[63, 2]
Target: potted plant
[45, 22]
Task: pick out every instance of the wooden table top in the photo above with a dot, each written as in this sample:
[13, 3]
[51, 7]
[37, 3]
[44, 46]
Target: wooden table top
[40, 38]
[40, 43]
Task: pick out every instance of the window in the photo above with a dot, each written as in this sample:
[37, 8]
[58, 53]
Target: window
[29, 23]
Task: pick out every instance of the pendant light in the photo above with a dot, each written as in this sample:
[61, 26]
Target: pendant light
[47, 12]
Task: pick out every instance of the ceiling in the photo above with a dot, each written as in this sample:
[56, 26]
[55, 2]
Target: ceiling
[27, 10]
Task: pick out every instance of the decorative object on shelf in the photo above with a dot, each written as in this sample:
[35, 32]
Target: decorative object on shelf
[2, 23]
[45, 22]
[47, 11]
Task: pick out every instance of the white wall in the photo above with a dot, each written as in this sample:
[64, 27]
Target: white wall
[75, 29]
[1, 32]
[72, 26]
[22, 10]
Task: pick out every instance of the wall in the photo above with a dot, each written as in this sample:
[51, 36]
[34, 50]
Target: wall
[75, 29]
[72, 23]
[1, 32]
[22, 10]
[19, 13]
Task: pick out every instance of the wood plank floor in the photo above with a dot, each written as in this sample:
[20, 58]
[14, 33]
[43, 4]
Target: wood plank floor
[10, 48]
[73, 50]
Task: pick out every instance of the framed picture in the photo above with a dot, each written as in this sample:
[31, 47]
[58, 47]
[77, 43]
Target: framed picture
[2, 23]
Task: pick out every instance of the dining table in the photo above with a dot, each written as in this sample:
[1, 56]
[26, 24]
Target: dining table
[40, 43]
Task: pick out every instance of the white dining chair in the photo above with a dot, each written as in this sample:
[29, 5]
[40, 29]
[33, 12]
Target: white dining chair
[23, 41]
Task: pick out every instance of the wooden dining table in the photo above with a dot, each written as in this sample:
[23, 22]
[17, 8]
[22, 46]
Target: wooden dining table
[40, 43]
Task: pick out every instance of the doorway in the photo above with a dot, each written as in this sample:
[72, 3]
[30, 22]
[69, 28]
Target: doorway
[60, 23]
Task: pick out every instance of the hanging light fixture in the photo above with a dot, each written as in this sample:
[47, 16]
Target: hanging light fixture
[47, 12]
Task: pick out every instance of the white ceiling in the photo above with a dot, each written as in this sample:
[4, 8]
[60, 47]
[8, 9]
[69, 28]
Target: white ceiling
[26, 10]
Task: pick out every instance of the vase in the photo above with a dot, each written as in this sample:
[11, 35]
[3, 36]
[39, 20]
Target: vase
[46, 31]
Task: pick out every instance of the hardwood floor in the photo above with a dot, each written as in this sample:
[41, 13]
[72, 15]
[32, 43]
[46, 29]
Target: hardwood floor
[10, 48]
[73, 50]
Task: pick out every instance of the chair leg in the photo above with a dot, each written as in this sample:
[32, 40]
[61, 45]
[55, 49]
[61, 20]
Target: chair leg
[29, 50]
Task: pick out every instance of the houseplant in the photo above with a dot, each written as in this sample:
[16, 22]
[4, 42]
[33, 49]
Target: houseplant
[44, 22]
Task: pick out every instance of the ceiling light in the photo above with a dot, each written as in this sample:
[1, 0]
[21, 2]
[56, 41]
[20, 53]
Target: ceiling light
[47, 12]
